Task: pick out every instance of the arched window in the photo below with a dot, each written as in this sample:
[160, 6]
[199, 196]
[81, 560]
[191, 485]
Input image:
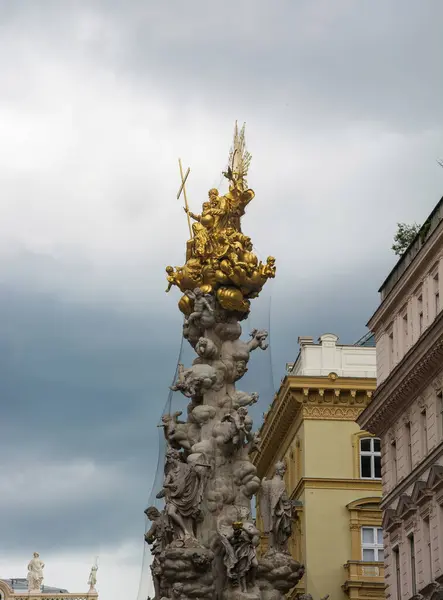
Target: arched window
[370, 458]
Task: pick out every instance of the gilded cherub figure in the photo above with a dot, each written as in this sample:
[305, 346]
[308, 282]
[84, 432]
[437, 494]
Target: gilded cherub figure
[174, 276]
[268, 269]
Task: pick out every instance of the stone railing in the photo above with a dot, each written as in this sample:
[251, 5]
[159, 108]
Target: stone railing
[358, 570]
[54, 596]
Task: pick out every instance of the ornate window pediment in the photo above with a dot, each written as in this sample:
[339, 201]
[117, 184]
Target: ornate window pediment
[391, 521]
[406, 507]
[435, 478]
[421, 493]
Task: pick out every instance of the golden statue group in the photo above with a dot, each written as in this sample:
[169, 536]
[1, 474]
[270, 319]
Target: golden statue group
[204, 541]
[219, 257]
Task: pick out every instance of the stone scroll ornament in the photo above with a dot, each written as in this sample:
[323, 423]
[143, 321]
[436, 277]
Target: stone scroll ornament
[204, 541]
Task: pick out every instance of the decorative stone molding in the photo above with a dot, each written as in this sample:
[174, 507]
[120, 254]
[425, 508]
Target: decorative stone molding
[312, 398]
[412, 374]
[332, 413]
[411, 525]
[313, 483]
[437, 384]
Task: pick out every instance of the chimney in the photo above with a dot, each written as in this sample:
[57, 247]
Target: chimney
[328, 339]
[305, 340]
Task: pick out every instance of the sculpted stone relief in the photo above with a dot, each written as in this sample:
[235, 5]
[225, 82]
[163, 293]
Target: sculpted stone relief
[209, 480]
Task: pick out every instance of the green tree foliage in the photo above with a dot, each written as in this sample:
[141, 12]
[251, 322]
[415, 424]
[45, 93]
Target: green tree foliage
[404, 236]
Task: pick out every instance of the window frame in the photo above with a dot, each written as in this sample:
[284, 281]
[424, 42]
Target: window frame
[420, 312]
[372, 454]
[391, 353]
[412, 557]
[440, 410]
[427, 546]
[397, 568]
[394, 459]
[375, 546]
[424, 431]
[405, 329]
[436, 290]
[408, 446]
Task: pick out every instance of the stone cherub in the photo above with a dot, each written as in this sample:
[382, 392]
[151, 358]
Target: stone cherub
[254, 443]
[175, 431]
[240, 427]
[259, 337]
[243, 399]
[35, 573]
[177, 591]
[192, 382]
[206, 348]
[276, 509]
[201, 305]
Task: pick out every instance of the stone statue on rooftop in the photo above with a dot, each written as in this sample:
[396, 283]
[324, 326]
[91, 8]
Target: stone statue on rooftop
[92, 581]
[35, 573]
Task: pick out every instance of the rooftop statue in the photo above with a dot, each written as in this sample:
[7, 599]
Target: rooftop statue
[35, 573]
[92, 581]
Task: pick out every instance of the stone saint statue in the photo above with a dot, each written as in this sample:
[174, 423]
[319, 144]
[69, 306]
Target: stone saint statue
[92, 581]
[276, 509]
[182, 490]
[157, 538]
[240, 557]
[35, 573]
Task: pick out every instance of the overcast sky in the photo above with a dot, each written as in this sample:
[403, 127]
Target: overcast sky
[344, 112]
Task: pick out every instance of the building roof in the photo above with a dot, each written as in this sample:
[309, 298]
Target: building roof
[20, 584]
[414, 248]
[367, 340]
[327, 356]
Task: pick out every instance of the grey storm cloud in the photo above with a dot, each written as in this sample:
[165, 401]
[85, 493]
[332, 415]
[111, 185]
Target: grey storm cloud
[330, 62]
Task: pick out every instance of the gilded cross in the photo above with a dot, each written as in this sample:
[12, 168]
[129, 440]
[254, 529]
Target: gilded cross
[183, 189]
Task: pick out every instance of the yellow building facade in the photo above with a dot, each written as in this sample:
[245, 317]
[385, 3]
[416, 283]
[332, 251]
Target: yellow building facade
[333, 469]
